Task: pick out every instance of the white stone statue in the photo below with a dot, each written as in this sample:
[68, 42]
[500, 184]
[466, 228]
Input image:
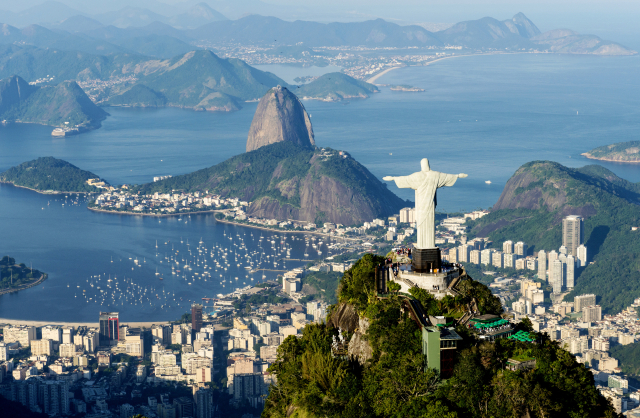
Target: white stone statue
[425, 182]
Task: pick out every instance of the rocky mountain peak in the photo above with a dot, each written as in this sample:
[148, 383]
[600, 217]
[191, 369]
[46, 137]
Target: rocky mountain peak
[280, 117]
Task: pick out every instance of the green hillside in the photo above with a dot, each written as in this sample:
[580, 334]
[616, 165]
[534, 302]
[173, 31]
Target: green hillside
[386, 376]
[64, 105]
[49, 174]
[335, 86]
[32, 63]
[623, 152]
[279, 179]
[541, 193]
[14, 275]
[139, 96]
[202, 80]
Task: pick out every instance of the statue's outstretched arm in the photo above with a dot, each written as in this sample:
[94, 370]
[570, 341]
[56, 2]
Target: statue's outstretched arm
[462, 175]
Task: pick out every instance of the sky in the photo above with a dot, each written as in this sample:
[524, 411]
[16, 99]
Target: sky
[611, 19]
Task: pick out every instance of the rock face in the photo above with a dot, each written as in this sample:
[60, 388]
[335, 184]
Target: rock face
[280, 117]
[359, 347]
[13, 90]
[344, 317]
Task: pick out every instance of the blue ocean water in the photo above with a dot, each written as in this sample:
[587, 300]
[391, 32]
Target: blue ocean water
[481, 115]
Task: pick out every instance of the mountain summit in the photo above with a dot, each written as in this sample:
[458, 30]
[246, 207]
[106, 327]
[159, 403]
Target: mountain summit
[280, 117]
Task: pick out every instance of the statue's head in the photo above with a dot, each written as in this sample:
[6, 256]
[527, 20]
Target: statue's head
[424, 164]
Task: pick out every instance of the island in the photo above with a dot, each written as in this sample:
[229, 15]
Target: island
[333, 87]
[404, 87]
[622, 152]
[14, 277]
[65, 106]
[50, 176]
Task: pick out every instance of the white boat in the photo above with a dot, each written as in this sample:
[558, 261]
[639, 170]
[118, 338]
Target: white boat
[488, 181]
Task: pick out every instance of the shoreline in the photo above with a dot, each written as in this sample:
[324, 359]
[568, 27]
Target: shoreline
[373, 79]
[37, 323]
[42, 278]
[322, 234]
[610, 160]
[45, 192]
[157, 215]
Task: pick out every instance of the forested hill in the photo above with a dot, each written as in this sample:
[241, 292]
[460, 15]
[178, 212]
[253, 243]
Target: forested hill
[335, 86]
[64, 105]
[541, 193]
[384, 374]
[622, 152]
[48, 174]
[288, 181]
[202, 81]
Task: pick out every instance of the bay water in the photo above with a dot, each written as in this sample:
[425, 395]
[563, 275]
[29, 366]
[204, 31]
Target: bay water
[480, 115]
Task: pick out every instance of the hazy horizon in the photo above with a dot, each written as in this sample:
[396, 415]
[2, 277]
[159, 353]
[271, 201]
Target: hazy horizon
[615, 20]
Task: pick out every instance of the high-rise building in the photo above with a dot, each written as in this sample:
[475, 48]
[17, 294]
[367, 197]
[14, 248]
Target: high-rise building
[250, 387]
[556, 276]
[109, 328]
[474, 257]
[67, 335]
[55, 397]
[509, 260]
[407, 215]
[507, 247]
[542, 265]
[497, 260]
[41, 347]
[551, 257]
[571, 267]
[521, 248]
[19, 333]
[161, 334]
[572, 233]
[196, 317]
[582, 256]
[184, 407]
[53, 333]
[464, 253]
[3, 352]
[486, 256]
[204, 403]
[592, 313]
[579, 302]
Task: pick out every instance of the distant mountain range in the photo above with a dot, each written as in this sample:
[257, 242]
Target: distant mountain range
[114, 32]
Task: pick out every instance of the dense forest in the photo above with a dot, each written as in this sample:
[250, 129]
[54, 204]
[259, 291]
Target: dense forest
[50, 174]
[393, 381]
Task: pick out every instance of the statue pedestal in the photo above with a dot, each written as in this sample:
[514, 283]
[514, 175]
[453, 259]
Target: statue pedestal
[426, 260]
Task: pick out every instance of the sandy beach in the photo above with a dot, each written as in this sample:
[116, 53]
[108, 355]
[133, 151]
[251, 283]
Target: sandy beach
[4, 321]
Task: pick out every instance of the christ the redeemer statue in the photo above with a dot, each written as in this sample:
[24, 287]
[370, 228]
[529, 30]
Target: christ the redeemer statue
[426, 182]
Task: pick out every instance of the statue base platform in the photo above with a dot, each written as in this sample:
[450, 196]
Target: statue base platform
[426, 260]
[435, 283]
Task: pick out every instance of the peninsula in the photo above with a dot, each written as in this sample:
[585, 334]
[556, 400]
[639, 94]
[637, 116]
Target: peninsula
[64, 106]
[51, 175]
[285, 176]
[15, 277]
[622, 152]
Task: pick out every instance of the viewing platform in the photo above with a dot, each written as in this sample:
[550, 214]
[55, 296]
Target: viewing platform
[439, 284]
